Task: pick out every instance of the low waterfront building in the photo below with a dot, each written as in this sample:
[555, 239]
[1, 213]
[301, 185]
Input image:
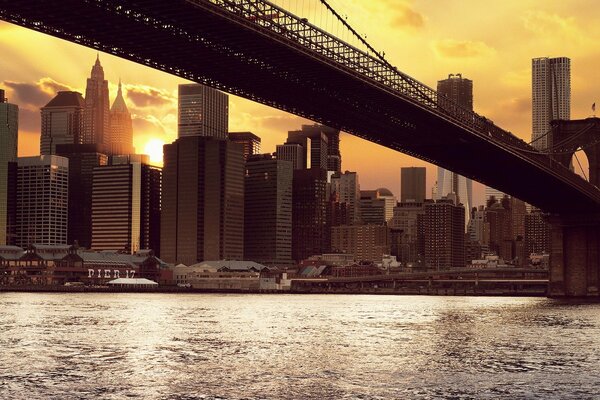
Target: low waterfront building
[56, 265]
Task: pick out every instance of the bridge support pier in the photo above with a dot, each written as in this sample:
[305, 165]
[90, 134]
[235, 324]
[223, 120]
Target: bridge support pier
[574, 256]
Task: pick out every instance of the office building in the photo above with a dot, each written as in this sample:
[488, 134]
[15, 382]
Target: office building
[314, 143]
[96, 115]
[293, 153]
[491, 192]
[347, 188]
[537, 234]
[334, 156]
[120, 140]
[407, 229]
[202, 111]
[376, 206]
[268, 210]
[412, 184]
[83, 158]
[62, 121]
[365, 242]
[126, 205]
[42, 198]
[309, 213]
[499, 217]
[202, 215]
[9, 134]
[551, 96]
[460, 91]
[444, 234]
[249, 140]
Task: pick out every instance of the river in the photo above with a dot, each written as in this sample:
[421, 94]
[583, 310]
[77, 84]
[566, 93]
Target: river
[196, 346]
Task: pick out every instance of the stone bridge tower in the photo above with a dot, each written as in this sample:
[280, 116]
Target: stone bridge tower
[575, 237]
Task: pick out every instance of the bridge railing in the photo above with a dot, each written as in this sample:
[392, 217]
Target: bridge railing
[298, 31]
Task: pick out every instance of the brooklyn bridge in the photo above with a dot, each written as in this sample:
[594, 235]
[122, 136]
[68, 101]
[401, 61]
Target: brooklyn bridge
[260, 51]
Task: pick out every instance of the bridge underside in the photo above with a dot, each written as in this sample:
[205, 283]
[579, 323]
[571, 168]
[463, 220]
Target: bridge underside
[203, 43]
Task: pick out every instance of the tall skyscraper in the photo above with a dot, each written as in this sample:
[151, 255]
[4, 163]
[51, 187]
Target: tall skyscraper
[314, 144]
[120, 139]
[9, 130]
[96, 117]
[309, 213]
[202, 111]
[412, 184]
[491, 192]
[334, 157]
[202, 215]
[62, 121]
[293, 153]
[249, 140]
[268, 210]
[444, 234]
[377, 206]
[408, 220]
[551, 95]
[348, 191]
[42, 198]
[126, 205]
[460, 91]
[537, 234]
[83, 158]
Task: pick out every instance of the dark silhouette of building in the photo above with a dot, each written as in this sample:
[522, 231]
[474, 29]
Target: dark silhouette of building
[120, 139]
[293, 153]
[537, 234]
[407, 231]
[444, 223]
[126, 205]
[377, 206]
[457, 89]
[83, 158]
[347, 189]
[365, 242]
[249, 140]
[412, 184]
[309, 213]
[314, 144]
[334, 156]
[499, 216]
[9, 135]
[202, 214]
[96, 122]
[268, 210]
[62, 121]
[202, 111]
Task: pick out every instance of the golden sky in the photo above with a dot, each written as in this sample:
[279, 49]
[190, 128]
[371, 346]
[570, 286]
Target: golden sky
[491, 43]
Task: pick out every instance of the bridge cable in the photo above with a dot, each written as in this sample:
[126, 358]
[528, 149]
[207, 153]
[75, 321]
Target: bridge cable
[582, 171]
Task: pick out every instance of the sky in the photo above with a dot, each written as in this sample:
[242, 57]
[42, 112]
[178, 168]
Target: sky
[491, 43]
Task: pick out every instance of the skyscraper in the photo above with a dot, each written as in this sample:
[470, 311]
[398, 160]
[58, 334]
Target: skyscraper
[202, 111]
[444, 234]
[268, 210]
[43, 197]
[551, 95]
[377, 206]
[412, 184]
[126, 205]
[62, 121]
[96, 114]
[83, 158]
[334, 157]
[202, 216]
[120, 139]
[249, 140]
[348, 191]
[9, 129]
[314, 143]
[293, 153]
[460, 91]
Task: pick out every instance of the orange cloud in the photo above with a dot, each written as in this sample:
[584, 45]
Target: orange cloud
[146, 96]
[450, 48]
[405, 16]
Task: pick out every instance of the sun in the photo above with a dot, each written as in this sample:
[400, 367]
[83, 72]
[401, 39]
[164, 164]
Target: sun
[154, 148]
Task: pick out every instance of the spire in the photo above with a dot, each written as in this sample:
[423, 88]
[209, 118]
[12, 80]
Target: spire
[97, 70]
[98, 58]
[119, 104]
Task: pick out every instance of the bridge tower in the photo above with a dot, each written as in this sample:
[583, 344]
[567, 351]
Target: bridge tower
[575, 236]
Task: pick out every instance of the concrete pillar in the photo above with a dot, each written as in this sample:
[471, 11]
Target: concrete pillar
[574, 256]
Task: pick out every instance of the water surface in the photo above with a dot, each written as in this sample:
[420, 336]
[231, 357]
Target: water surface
[165, 346]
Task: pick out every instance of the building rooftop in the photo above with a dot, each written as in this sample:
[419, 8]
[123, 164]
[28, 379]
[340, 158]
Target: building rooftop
[66, 99]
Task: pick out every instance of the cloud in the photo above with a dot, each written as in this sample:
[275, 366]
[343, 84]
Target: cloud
[147, 125]
[35, 95]
[405, 16]
[146, 96]
[450, 48]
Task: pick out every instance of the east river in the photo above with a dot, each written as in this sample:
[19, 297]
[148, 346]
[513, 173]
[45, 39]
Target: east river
[166, 346]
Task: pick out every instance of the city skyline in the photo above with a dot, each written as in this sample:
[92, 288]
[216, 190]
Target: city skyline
[502, 90]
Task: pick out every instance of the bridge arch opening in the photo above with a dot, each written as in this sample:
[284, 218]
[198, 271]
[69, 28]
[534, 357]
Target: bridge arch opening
[580, 164]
